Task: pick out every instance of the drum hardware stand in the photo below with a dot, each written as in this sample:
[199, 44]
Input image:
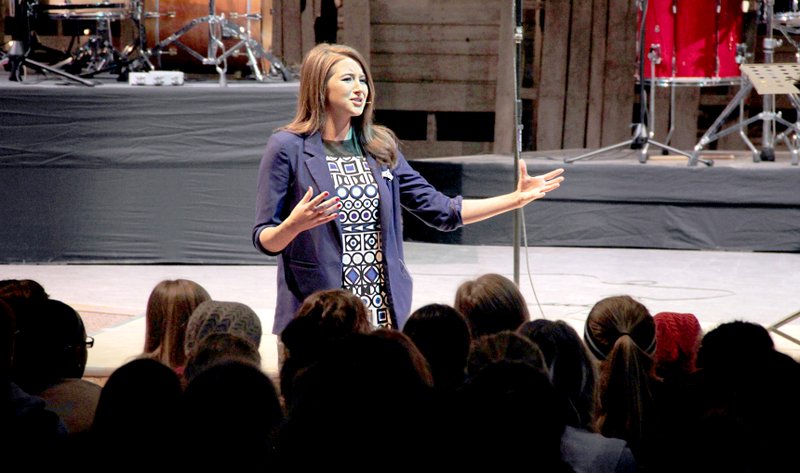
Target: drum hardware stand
[19, 50]
[775, 328]
[769, 79]
[98, 53]
[220, 27]
[17, 57]
[642, 137]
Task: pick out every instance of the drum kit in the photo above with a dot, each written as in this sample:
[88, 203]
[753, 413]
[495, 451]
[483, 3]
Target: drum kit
[700, 43]
[167, 34]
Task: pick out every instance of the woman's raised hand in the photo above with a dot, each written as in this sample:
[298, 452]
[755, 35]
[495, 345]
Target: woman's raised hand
[313, 212]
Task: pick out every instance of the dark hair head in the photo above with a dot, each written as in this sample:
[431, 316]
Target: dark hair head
[511, 408]
[505, 346]
[442, 335]
[51, 344]
[570, 366]
[337, 312]
[220, 348]
[22, 289]
[325, 318]
[8, 328]
[365, 387]
[491, 303]
[418, 360]
[235, 408]
[141, 399]
[734, 344]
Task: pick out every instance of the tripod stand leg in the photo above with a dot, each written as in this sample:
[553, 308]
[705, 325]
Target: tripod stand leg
[58, 72]
[711, 134]
[775, 328]
[624, 144]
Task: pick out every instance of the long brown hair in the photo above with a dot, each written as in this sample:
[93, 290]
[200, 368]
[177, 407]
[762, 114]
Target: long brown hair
[621, 333]
[169, 307]
[315, 72]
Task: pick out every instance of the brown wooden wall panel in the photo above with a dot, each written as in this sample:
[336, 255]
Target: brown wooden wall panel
[620, 67]
[422, 149]
[434, 39]
[580, 38]
[413, 67]
[356, 29]
[597, 55]
[446, 97]
[552, 89]
[505, 119]
[435, 12]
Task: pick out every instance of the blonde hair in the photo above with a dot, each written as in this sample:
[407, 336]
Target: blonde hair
[315, 72]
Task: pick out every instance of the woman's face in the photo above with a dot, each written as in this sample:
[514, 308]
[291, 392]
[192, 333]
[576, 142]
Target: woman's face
[347, 91]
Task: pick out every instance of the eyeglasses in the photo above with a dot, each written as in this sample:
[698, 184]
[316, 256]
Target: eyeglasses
[89, 342]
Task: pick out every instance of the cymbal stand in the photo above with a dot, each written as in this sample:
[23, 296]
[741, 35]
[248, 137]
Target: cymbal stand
[220, 27]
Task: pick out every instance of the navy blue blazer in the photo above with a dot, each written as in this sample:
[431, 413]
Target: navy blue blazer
[313, 260]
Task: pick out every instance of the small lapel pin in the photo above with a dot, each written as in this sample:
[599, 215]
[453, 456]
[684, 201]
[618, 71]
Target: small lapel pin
[387, 174]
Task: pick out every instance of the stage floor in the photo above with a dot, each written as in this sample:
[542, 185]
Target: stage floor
[715, 286]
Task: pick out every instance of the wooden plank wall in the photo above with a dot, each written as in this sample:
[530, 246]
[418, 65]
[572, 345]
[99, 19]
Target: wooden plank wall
[437, 56]
[588, 62]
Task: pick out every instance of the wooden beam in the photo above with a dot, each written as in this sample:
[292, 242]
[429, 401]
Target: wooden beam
[580, 39]
[597, 53]
[356, 30]
[438, 97]
[435, 12]
[620, 68]
[552, 89]
[435, 39]
[504, 117]
[413, 67]
[291, 32]
[307, 18]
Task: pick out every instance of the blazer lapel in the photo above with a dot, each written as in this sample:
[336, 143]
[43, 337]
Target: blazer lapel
[314, 153]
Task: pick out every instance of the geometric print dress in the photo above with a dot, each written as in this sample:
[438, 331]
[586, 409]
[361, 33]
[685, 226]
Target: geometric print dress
[362, 261]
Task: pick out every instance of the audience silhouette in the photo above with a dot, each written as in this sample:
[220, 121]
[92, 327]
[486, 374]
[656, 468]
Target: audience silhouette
[635, 393]
[50, 360]
[573, 374]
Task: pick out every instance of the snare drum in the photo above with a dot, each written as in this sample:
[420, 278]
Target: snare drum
[696, 41]
[86, 9]
[166, 17]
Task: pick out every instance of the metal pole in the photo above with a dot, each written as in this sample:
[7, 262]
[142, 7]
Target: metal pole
[518, 37]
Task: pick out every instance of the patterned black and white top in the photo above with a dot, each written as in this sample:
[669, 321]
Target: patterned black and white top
[362, 260]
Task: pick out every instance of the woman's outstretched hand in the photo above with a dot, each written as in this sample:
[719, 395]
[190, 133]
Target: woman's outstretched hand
[530, 188]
